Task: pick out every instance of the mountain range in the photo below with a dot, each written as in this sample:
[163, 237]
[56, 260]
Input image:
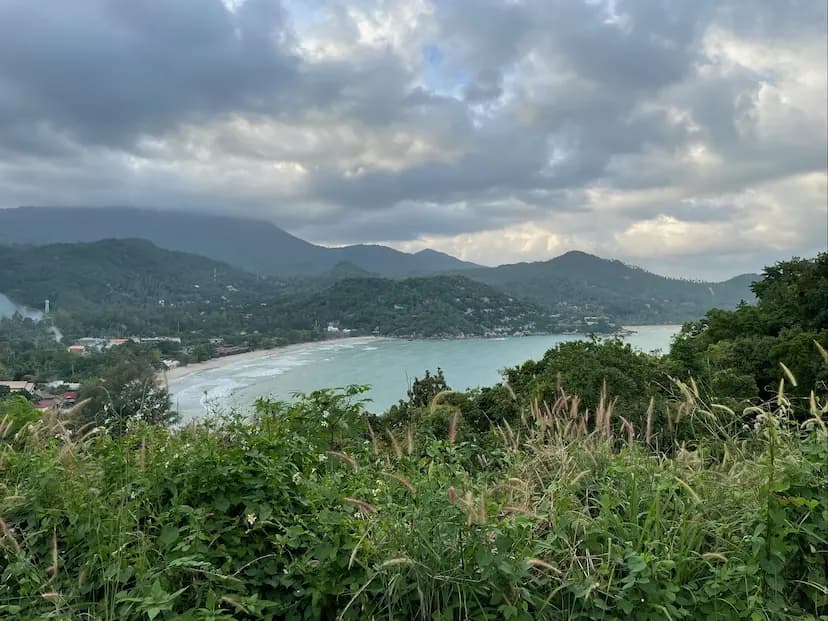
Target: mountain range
[627, 293]
[130, 286]
[256, 246]
[573, 283]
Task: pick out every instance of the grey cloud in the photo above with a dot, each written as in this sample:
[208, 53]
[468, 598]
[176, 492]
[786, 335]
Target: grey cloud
[487, 85]
[530, 105]
[108, 71]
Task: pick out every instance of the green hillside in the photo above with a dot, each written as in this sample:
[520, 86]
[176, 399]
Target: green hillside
[131, 287]
[600, 286]
[431, 307]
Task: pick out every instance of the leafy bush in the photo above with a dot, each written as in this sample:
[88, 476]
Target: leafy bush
[558, 515]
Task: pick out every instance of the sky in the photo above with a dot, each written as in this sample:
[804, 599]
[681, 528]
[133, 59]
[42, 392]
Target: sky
[689, 138]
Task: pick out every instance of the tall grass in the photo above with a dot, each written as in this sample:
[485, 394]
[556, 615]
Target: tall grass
[562, 513]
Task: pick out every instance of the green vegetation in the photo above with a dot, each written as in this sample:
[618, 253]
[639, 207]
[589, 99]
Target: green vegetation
[437, 306]
[595, 483]
[739, 354]
[602, 287]
[130, 287]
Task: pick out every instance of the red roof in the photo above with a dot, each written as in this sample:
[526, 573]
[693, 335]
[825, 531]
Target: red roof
[70, 395]
[45, 404]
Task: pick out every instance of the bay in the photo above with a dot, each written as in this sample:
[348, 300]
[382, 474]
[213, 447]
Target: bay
[387, 365]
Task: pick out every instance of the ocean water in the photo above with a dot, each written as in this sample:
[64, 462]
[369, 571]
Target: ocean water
[387, 365]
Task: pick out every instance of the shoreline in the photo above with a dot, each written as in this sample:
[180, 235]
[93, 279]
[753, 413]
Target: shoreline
[179, 373]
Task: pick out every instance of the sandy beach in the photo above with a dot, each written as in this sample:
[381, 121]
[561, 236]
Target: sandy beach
[178, 373]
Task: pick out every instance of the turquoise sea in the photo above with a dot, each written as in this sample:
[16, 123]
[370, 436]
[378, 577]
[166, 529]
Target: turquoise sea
[388, 365]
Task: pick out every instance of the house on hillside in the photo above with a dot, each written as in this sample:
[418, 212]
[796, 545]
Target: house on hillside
[77, 348]
[19, 386]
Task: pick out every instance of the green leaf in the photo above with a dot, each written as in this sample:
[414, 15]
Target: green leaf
[168, 536]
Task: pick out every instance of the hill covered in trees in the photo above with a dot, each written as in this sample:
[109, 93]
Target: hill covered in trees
[432, 307]
[131, 287]
[601, 286]
[574, 283]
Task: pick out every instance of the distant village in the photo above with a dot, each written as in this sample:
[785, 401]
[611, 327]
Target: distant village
[58, 395]
[97, 344]
[61, 394]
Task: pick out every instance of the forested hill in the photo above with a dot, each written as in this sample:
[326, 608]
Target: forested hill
[431, 307]
[570, 284]
[630, 294]
[256, 246]
[131, 287]
[130, 272]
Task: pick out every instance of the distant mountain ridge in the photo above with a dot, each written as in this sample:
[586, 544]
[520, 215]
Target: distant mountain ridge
[132, 287]
[571, 284]
[630, 294]
[256, 246]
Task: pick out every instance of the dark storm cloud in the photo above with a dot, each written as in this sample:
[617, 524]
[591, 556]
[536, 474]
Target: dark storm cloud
[107, 71]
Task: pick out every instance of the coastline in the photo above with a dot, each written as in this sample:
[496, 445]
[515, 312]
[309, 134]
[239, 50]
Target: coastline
[179, 373]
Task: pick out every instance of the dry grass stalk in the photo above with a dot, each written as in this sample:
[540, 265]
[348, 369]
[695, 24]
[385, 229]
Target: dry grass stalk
[511, 433]
[438, 399]
[402, 481]
[688, 489]
[648, 432]
[788, 374]
[452, 495]
[344, 458]
[608, 421]
[53, 568]
[821, 351]
[480, 513]
[374, 445]
[5, 426]
[409, 435]
[539, 417]
[8, 534]
[518, 510]
[142, 456]
[537, 563]
[574, 405]
[510, 391]
[578, 477]
[394, 444]
[361, 504]
[231, 602]
[629, 428]
[452, 432]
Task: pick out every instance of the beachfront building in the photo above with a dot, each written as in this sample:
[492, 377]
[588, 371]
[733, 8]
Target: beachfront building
[18, 386]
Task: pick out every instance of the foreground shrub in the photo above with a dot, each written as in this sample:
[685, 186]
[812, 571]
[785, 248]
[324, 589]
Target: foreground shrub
[307, 512]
